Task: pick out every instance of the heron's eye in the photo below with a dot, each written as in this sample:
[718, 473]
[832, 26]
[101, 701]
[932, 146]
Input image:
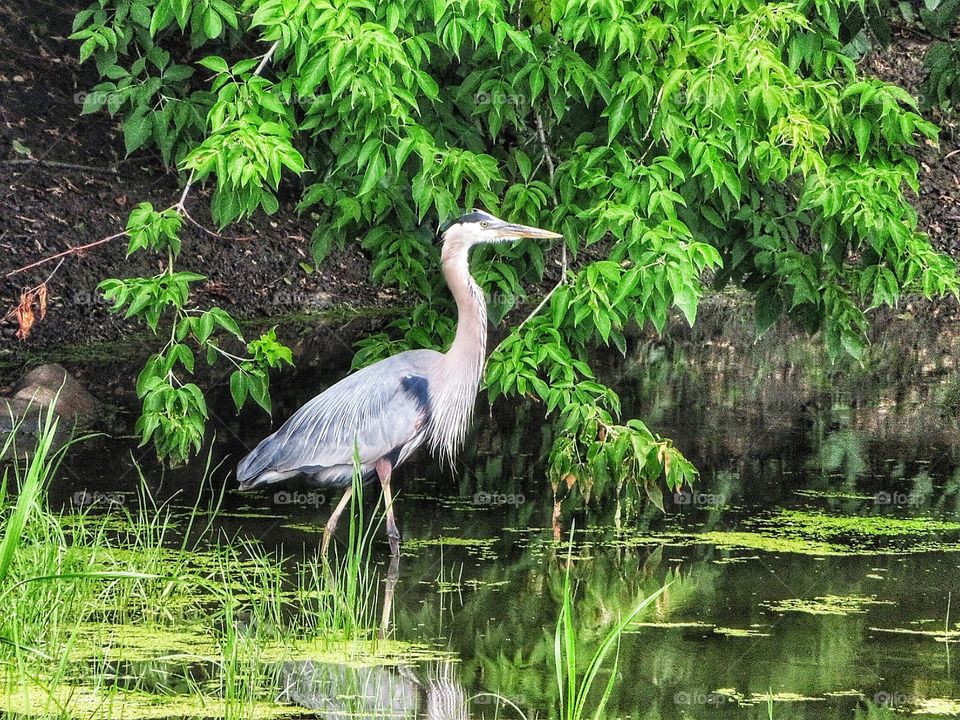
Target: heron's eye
[483, 223]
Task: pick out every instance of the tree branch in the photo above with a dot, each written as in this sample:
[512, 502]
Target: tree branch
[63, 165]
[542, 135]
[72, 251]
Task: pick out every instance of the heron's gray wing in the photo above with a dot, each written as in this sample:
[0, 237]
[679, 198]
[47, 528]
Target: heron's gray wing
[376, 410]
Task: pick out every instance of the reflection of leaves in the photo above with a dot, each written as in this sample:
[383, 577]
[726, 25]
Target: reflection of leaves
[843, 449]
[872, 711]
[510, 655]
[652, 563]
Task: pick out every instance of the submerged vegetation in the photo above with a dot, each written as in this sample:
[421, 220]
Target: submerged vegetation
[89, 594]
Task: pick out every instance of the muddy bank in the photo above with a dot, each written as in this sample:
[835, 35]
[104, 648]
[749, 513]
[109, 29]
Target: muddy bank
[86, 192]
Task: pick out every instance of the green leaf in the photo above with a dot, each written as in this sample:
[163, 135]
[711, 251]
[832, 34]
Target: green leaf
[203, 327]
[215, 63]
[686, 299]
[162, 17]
[258, 385]
[226, 322]
[137, 129]
[861, 130]
[238, 388]
[768, 308]
[212, 24]
[376, 169]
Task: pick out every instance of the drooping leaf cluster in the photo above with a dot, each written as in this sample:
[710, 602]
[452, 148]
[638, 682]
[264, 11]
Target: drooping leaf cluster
[174, 410]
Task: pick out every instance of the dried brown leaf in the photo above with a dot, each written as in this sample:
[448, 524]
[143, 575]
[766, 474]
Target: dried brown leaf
[25, 317]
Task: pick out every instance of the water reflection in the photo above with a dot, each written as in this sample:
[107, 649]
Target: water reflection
[338, 692]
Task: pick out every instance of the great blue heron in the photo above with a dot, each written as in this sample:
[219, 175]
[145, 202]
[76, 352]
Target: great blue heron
[387, 410]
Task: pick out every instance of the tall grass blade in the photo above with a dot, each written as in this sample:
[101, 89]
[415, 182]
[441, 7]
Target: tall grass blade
[30, 489]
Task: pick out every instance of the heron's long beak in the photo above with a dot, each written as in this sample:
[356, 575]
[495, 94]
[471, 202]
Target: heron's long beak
[512, 231]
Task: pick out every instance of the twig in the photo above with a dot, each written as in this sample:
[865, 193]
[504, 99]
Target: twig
[179, 206]
[70, 251]
[64, 165]
[546, 298]
[548, 156]
[50, 276]
[543, 144]
[266, 58]
[211, 233]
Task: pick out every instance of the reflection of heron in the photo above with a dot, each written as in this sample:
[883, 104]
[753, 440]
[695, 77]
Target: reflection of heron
[387, 410]
[339, 692]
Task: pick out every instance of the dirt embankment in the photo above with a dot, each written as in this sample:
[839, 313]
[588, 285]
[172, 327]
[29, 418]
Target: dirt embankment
[66, 183]
[89, 187]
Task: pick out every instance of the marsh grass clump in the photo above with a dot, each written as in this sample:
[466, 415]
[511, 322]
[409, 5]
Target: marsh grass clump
[146, 610]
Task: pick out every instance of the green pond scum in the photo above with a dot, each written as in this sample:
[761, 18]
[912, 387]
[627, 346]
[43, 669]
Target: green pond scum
[827, 605]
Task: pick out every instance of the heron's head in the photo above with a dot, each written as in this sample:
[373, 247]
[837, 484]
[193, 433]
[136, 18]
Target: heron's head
[479, 227]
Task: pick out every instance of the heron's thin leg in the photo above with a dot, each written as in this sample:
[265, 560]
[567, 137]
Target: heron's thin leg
[384, 468]
[393, 574]
[334, 517]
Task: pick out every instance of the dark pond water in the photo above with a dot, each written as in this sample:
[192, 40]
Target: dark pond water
[774, 591]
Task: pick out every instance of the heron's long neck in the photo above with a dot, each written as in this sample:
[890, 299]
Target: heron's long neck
[462, 364]
[470, 343]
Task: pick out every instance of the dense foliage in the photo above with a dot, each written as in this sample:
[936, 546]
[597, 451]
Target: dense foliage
[672, 140]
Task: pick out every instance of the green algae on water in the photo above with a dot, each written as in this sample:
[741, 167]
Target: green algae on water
[939, 707]
[739, 632]
[827, 604]
[681, 625]
[107, 702]
[769, 542]
[822, 534]
[833, 495]
[481, 548]
[829, 526]
[941, 635]
[196, 643]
